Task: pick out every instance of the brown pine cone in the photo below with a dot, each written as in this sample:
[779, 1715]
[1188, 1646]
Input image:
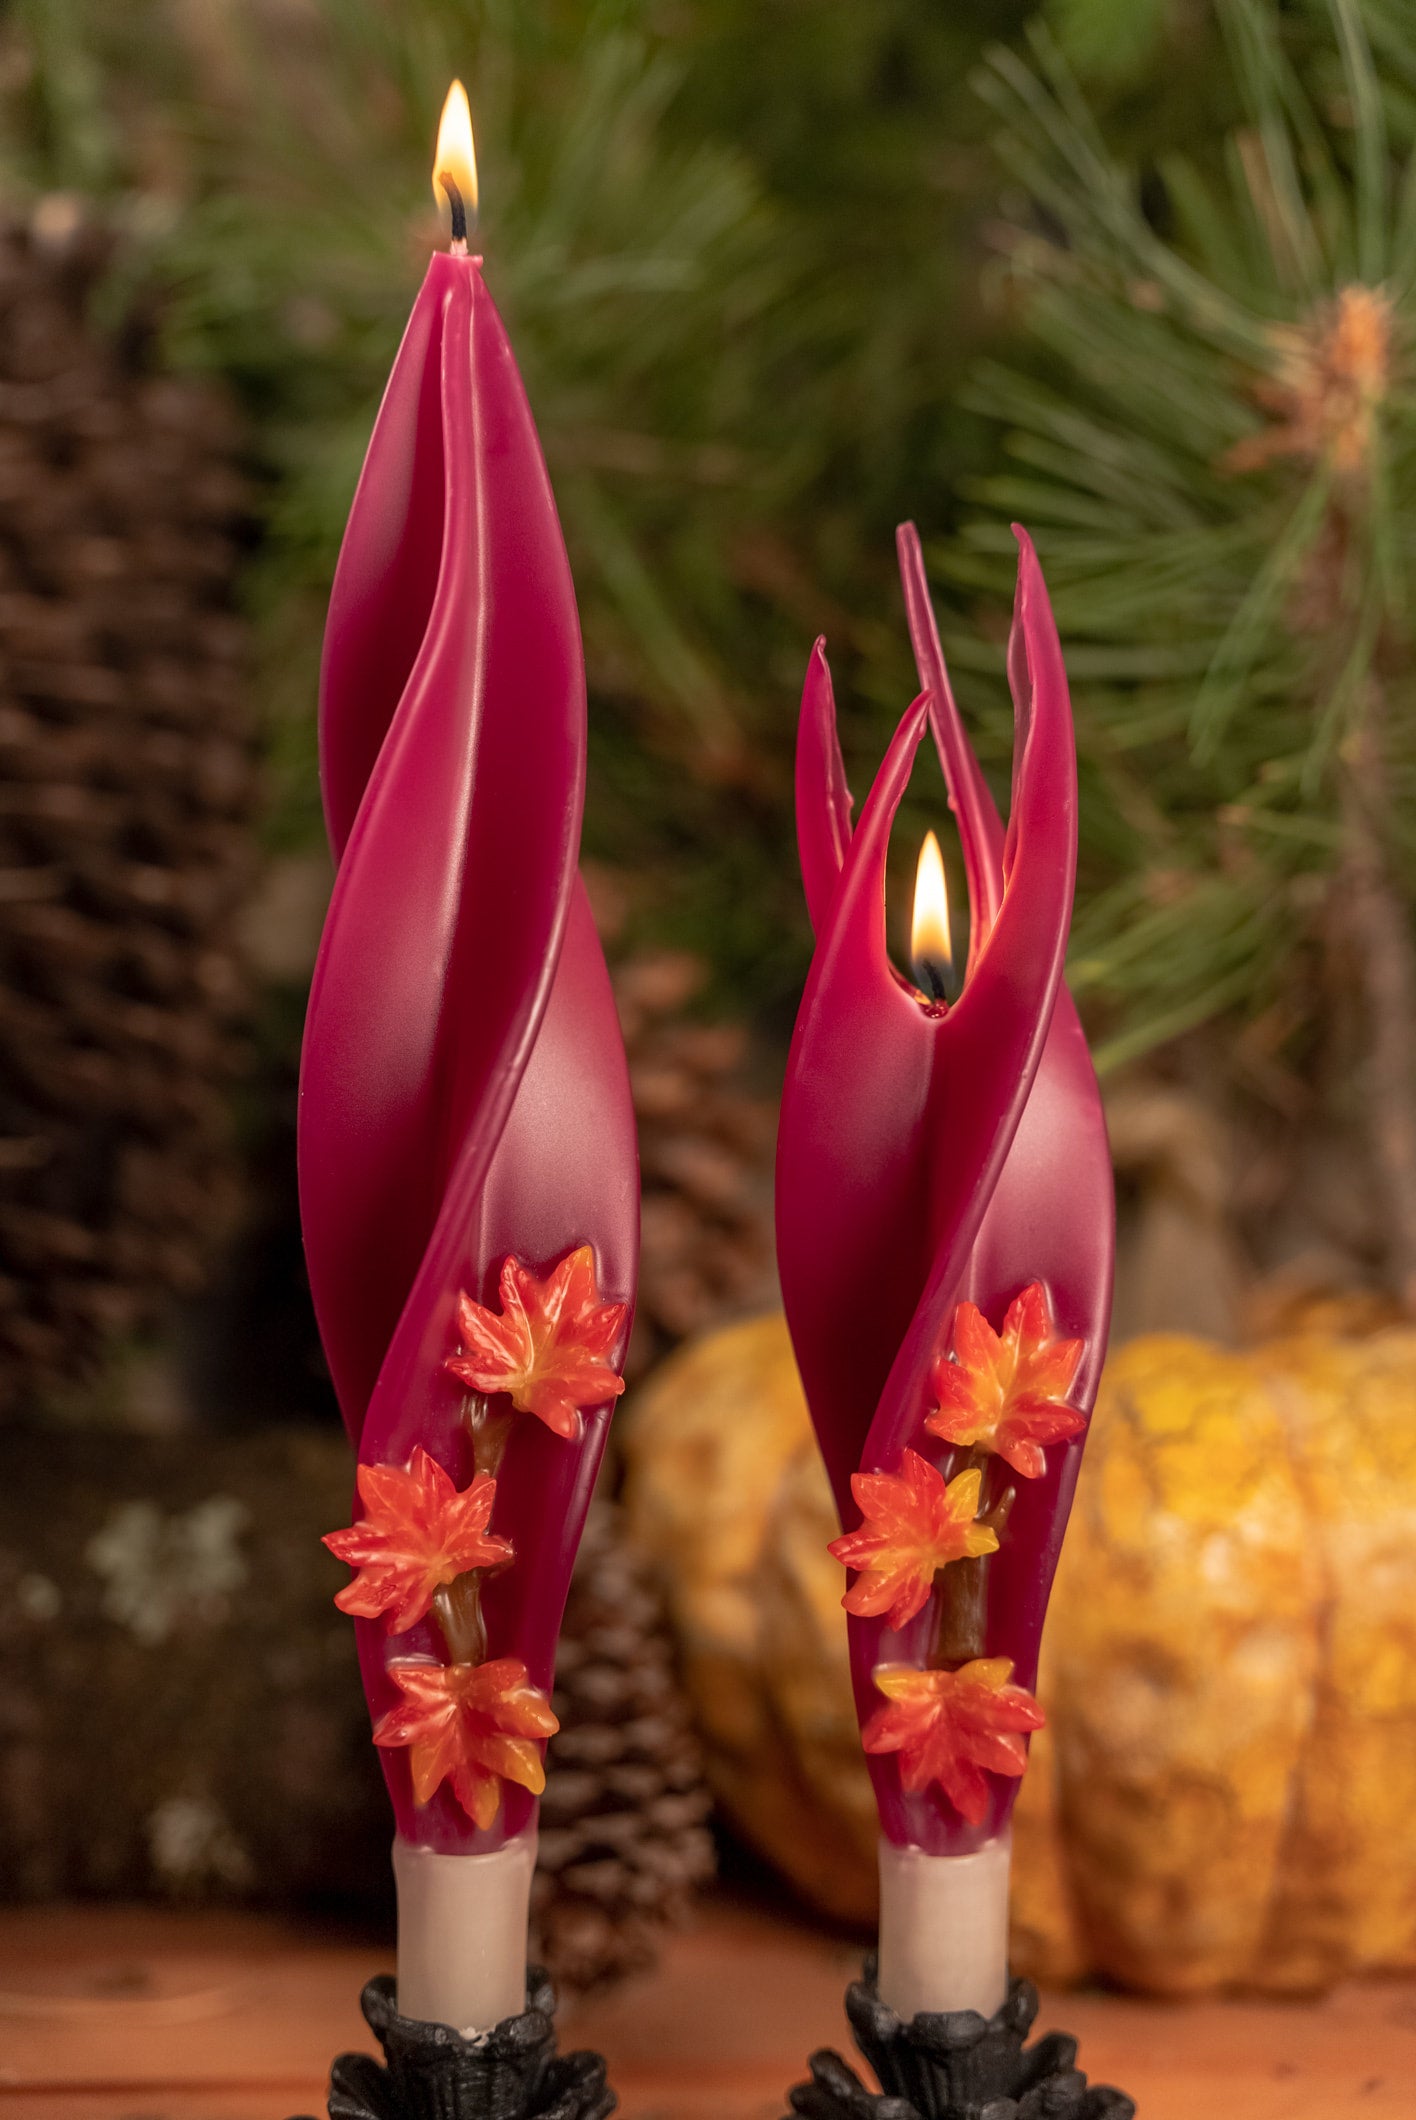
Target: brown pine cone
[127, 788]
[623, 1842]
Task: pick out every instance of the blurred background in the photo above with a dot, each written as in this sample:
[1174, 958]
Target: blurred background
[1138, 272]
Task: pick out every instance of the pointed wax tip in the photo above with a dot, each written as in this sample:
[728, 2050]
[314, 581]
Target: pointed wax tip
[1029, 566]
[1027, 550]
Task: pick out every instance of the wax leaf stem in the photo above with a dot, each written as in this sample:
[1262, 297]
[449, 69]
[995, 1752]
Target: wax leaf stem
[490, 1432]
[963, 1614]
[458, 1611]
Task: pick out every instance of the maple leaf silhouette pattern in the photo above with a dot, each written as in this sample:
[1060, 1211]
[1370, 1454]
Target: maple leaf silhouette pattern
[549, 1349]
[418, 1533]
[912, 1523]
[1006, 1392]
[952, 1727]
[475, 1725]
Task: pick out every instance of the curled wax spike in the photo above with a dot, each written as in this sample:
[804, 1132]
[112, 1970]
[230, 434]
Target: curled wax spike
[987, 1050]
[980, 831]
[1061, 1132]
[852, 1207]
[823, 801]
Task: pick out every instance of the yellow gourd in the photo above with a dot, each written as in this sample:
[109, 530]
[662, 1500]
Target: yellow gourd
[1226, 1792]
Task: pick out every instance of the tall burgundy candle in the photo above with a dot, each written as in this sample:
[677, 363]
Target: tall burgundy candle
[945, 1239]
[468, 1171]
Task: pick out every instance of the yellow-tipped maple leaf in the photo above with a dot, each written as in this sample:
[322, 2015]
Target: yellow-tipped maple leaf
[550, 1347]
[474, 1725]
[1006, 1392]
[912, 1523]
[952, 1727]
[419, 1533]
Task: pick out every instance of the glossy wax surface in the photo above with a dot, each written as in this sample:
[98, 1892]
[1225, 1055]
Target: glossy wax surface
[463, 1090]
[928, 1154]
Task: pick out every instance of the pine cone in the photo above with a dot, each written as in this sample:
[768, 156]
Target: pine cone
[706, 1142]
[127, 785]
[623, 1842]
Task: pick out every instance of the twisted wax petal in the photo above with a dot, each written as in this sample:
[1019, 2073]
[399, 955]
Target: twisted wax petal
[464, 1095]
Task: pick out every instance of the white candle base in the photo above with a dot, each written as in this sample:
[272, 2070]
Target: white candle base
[944, 1929]
[462, 1934]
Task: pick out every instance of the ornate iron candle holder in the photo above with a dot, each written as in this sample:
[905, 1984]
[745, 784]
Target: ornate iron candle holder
[430, 2072]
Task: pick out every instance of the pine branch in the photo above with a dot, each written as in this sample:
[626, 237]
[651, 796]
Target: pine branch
[1215, 440]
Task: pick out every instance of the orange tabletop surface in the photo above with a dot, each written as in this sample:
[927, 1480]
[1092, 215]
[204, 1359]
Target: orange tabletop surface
[114, 2014]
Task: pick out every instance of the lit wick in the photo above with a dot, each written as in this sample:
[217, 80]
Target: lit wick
[459, 214]
[930, 978]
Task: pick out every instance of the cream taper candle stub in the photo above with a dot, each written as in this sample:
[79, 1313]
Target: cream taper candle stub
[462, 1933]
[944, 1929]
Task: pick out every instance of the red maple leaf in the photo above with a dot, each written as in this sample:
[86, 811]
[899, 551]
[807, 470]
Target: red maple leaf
[419, 1533]
[1006, 1393]
[912, 1524]
[471, 1724]
[550, 1347]
[951, 1726]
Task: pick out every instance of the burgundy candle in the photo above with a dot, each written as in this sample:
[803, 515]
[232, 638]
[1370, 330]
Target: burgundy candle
[945, 1239]
[468, 1171]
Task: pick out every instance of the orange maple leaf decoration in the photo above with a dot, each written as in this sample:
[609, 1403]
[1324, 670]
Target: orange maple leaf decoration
[913, 1524]
[550, 1347]
[951, 1726]
[471, 1724]
[1006, 1392]
[419, 1533]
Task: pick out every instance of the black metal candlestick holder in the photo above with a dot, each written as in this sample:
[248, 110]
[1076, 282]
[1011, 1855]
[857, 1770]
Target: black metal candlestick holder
[431, 2072]
[954, 2065]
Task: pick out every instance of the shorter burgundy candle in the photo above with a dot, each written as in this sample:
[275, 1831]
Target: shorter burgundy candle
[945, 1239]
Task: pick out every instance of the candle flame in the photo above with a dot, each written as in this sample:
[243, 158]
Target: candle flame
[929, 929]
[456, 157]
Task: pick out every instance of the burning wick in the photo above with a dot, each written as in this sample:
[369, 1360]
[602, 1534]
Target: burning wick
[931, 948]
[931, 978]
[459, 211]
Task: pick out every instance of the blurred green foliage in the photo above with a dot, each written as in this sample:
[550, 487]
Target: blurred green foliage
[1213, 441]
[750, 257]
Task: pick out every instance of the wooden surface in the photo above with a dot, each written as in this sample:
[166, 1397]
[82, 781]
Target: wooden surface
[113, 2015]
